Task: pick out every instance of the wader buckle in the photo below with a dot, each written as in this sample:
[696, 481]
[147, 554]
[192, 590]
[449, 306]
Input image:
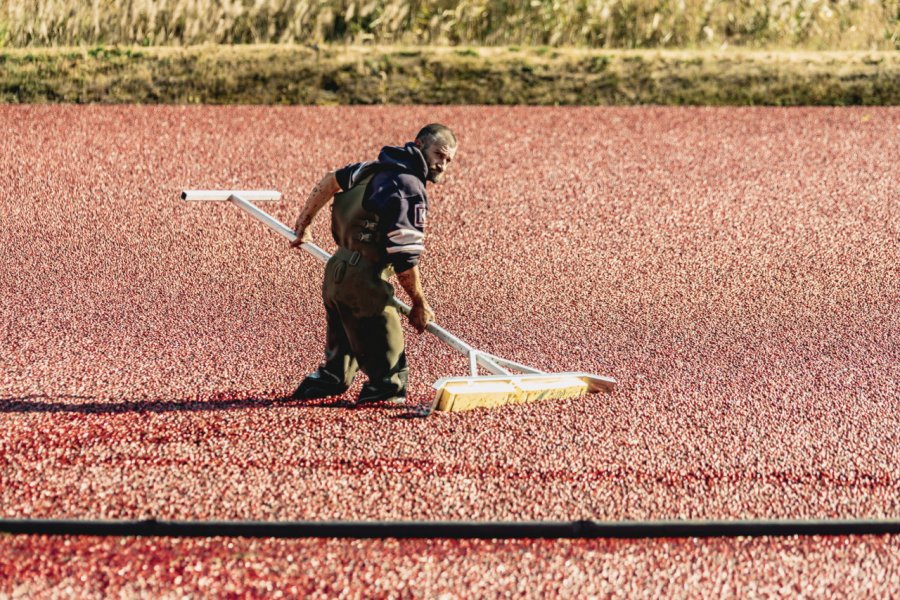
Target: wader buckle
[354, 259]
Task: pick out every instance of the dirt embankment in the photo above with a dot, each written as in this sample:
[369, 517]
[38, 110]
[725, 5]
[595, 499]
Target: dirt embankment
[420, 75]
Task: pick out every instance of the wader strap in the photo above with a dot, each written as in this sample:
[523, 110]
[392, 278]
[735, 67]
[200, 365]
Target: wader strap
[353, 258]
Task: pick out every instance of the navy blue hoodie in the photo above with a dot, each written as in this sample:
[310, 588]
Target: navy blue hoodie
[396, 194]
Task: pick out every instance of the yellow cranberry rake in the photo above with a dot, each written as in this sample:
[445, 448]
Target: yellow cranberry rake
[508, 383]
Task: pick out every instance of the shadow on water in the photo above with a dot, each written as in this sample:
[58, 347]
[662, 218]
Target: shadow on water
[75, 404]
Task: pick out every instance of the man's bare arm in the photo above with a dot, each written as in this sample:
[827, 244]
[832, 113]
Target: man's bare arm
[318, 197]
[421, 313]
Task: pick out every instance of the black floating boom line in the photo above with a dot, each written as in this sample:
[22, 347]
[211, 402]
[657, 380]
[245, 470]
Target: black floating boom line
[452, 529]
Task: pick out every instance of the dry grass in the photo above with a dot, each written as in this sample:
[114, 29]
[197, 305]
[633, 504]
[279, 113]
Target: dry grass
[808, 24]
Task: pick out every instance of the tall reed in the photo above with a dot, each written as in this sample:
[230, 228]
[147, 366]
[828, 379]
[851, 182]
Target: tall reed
[808, 24]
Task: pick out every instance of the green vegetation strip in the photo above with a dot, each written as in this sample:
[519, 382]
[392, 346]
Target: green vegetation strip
[257, 74]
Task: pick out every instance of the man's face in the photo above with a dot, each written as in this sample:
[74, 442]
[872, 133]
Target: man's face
[438, 154]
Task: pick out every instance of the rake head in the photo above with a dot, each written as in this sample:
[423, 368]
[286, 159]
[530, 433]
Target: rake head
[465, 393]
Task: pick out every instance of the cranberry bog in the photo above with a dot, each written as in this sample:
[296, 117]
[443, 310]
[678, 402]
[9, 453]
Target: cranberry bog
[734, 269]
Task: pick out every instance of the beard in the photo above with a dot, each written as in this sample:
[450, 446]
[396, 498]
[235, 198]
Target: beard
[434, 176]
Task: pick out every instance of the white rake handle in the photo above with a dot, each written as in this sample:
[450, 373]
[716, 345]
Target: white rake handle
[476, 357]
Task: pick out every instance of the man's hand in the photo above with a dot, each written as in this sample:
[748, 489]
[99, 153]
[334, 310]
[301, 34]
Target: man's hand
[420, 316]
[301, 229]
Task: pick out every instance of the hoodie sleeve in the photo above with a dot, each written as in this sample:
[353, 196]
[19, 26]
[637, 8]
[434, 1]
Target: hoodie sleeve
[403, 224]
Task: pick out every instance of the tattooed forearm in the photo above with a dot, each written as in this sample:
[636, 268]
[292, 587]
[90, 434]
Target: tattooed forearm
[318, 197]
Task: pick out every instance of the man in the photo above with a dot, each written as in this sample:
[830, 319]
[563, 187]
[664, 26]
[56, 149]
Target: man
[378, 222]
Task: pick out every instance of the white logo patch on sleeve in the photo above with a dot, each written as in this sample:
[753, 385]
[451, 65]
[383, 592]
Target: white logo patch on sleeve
[406, 236]
[421, 212]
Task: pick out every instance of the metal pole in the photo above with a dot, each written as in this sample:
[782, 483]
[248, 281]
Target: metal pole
[288, 233]
[512, 365]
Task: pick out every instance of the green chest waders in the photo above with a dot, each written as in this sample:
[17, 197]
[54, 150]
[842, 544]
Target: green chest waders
[363, 326]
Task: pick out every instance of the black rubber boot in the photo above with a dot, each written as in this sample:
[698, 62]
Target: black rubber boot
[318, 385]
[369, 395]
